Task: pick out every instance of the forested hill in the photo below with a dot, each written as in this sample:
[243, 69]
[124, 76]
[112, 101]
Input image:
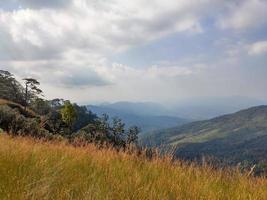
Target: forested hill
[25, 112]
[237, 137]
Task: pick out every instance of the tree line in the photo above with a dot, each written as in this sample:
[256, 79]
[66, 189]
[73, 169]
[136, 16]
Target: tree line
[27, 112]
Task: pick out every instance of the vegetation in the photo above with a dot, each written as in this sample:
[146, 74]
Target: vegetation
[69, 114]
[32, 91]
[25, 113]
[238, 138]
[67, 152]
[54, 170]
[10, 88]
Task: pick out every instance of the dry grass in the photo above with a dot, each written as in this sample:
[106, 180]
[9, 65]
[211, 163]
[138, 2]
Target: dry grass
[39, 170]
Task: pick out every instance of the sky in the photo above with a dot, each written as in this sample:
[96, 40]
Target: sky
[142, 50]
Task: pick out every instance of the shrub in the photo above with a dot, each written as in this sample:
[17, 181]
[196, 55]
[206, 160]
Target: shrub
[15, 123]
[7, 116]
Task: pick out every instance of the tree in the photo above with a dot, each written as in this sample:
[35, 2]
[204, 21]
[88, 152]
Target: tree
[10, 88]
[102, 129]
[53, 122]
[41, 106]
[84, 117]
[117, 131]
[69, 114]
[132, 135]
[103, 125]
[32, 91]
[56, 103]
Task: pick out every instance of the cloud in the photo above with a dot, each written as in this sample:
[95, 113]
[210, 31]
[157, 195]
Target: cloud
[127, 73]
[242, 15]
[61, 74]
[100, 26]
[35, 4]
[74, 79]
[69, 46]
[46, 3]
[258, 48]
[72, 43]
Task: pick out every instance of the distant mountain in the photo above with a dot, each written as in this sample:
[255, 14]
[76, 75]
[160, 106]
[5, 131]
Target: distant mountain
[147, 116]
[199, 108]
[138, 108]
[233, 137]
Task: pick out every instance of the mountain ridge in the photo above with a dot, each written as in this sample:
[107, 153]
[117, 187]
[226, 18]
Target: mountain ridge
[236, 137]
[145, 122]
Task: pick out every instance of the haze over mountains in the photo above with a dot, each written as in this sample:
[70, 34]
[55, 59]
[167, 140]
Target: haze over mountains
[151, 116]
[201, 108]
[147, 116]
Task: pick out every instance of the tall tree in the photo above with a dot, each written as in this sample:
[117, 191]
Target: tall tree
[84, 117]
[132, 135]
[69, 114]
[56, 103]
[41, 106]
[10, 88]
[32, 91]
[117, 131]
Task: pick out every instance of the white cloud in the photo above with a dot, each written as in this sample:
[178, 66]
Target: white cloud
[36, 4]
[244, 15]
[151, 72]
[100, 26]
[258, 48]
[69, 44]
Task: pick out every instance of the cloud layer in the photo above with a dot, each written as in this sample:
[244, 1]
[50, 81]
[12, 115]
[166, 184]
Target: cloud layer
[71, 43]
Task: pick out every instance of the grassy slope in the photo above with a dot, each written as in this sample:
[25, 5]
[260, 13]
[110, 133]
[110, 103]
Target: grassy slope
[249, 123]
[35, 170]
[228, 136]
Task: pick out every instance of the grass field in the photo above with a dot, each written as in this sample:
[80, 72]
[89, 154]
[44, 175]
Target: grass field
[40, 170]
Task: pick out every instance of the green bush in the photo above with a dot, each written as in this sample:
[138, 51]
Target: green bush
[14, 123]
[7, 116]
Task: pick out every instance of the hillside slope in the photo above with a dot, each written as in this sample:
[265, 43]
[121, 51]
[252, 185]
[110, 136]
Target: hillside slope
[235, 137]
[35, 170]
[27, 112]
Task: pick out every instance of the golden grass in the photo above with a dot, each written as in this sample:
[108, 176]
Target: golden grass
[42, 170]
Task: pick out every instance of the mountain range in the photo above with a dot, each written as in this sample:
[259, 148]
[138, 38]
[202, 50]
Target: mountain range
[150, 116]
[147, 116]
[237, 137]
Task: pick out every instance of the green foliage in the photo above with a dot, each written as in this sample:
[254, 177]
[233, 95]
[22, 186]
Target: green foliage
[84, 117]
[42, 118]
[132, 135]
[53, 122]
[32, 90]
[41, 106]
[14, 123]
[10, 88]
[113, 133]
[117, 131]
[69, 114]
[236, 138]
